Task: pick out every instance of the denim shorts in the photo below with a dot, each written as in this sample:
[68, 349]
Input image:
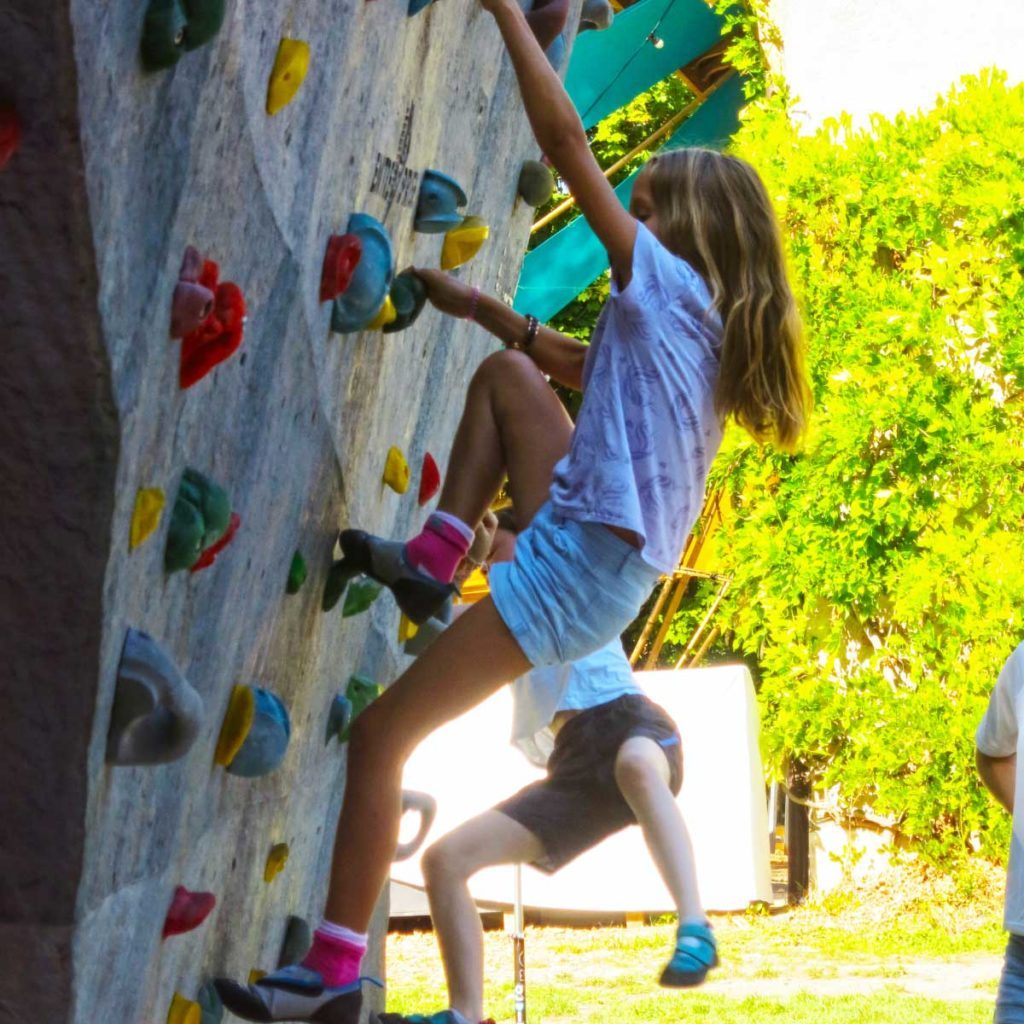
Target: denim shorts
[1010, 997]
[571, 587]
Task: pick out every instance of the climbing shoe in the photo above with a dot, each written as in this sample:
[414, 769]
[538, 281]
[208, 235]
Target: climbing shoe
[695, 954]
[293, 993]
[417, 594]
[441, 1017]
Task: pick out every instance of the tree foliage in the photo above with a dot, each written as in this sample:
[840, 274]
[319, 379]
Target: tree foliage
[879, 574]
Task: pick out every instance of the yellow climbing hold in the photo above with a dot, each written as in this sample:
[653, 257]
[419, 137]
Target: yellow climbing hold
[237, 723]
[184, 1011]
[149, 504]
[288, 73]
[255, 974]
[385, 315]
[461, 244]
[407, 629]
[396, 471]
[276, 860]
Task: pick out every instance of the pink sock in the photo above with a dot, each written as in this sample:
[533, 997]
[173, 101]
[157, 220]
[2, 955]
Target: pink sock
[336, 954]
[441, 545]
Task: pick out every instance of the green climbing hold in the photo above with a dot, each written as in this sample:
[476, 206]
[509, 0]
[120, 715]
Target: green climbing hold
[361, 693]
[200, 517]
[536, 183]
[173, 27]
[409, 295]
[338, 718]
[337, 580]
[360, 596]
[297, 573]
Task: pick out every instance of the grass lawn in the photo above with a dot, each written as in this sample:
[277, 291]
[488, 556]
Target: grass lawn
[876, 959]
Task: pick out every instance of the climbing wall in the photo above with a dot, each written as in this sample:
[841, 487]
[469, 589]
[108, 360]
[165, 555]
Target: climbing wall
[111, 173]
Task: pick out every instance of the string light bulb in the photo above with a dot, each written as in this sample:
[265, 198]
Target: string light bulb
[656, 41]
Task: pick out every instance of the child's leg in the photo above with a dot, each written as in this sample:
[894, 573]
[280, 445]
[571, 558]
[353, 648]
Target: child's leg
[643, 775]
[490, 838]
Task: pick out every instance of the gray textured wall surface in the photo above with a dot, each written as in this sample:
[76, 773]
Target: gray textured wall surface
[119, 170]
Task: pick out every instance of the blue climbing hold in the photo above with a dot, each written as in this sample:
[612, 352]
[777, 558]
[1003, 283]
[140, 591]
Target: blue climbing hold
[266, 741]
[338, 718]
[436, 209]
[371, 280]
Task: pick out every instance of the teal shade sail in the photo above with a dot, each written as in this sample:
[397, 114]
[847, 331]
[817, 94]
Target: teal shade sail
[560, 268]
[609, 69]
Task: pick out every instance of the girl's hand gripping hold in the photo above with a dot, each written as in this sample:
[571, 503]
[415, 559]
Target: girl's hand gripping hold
[446, 293]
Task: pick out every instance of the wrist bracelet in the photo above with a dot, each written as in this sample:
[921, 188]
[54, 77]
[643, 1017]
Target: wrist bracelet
[474, 301]
[532, 327]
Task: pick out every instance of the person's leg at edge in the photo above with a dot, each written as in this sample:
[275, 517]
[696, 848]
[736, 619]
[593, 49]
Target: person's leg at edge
[512, 423]
[489, 839]
[643, 776]
[1010, 995]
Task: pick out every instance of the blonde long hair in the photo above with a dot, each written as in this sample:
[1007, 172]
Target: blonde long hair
[714, 211]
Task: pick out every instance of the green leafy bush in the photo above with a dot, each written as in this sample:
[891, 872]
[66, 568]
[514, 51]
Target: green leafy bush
[879, 575]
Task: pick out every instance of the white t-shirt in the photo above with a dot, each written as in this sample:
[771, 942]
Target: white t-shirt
[1000, 735]
[539, 695]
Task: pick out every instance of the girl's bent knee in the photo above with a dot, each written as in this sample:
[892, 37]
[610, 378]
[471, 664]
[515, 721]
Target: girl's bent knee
[498, 367]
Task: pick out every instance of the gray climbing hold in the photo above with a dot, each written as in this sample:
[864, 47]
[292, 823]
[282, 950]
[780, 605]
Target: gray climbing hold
[298, 938]
[156, 715]
[426, 807]
[536, 183]
[596, 14]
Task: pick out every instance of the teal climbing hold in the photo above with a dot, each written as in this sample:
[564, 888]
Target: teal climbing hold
[173, 27]
[298, 939]
[409, 296]
[297, 573]
[337, 580]
[156, 715]
[437, 206]
[361, 594]
[210, 1006]
[368, 286]
[200, 518]
[338, 718]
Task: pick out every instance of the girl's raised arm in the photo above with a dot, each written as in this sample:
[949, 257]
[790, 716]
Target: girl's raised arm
[558, 129]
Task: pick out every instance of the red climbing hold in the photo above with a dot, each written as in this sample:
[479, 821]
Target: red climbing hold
[340, 261]
[218, 335]
[209, 556]
[430, 479]
[188, 910]
[10, 135]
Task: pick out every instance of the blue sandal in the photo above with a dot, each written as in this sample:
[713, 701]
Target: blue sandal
[695, 954]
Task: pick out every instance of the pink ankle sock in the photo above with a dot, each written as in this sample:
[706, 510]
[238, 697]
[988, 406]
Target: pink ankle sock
[441, 545]
[336, 954]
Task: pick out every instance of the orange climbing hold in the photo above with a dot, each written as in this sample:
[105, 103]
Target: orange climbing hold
[430, 479]
[276, 860]
[149, 505]
[10, 135]
[237, 722]
[255, 974]
[188, 910]
[396, 471]
[184, 1011]
[461, 244]
[209, 556]
[288, 73]
[340, 262]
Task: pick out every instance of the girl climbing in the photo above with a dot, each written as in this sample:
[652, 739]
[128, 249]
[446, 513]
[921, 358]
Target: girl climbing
[701, 327]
